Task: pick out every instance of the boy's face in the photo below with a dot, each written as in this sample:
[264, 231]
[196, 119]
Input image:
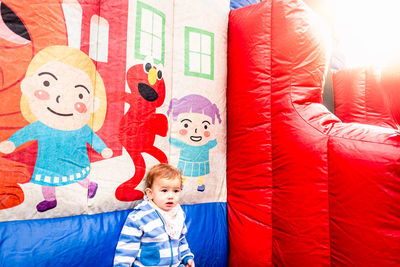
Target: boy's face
[60, 96]
[165, 192]
[194, 129]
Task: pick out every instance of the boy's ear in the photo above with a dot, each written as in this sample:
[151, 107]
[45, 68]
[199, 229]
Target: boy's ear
[148, 192]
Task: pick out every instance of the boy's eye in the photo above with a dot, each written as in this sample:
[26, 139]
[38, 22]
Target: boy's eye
[80, 96]
[164, 190]
[46, 83]
[205, 127]
[186, 125]
[177, 191]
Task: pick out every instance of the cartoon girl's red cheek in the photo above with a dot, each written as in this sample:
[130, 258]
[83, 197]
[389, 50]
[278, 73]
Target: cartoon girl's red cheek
[207, 134]
[183, 132]
[42, 95]
[80, 107]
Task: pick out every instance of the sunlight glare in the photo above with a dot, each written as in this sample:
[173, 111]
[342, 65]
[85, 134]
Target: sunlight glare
[367, 31]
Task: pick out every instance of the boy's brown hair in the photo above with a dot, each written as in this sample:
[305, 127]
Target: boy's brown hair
[162, 170]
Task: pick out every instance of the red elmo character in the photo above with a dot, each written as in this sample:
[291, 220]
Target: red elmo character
[26, 27]
[140, 125]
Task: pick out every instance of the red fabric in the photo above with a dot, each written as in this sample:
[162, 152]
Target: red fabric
[249, 120]
[304, 189]
[390, 84]
[359, 98]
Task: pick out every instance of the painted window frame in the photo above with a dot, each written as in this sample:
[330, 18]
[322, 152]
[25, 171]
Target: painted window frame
[188, 30]
[139, 29]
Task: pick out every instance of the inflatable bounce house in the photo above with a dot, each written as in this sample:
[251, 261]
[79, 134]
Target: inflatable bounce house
[94, 93]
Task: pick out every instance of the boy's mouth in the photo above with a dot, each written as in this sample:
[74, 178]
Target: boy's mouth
[195, 138]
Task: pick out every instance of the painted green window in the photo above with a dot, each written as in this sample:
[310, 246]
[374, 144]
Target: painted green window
[199, 53]
[150, 33]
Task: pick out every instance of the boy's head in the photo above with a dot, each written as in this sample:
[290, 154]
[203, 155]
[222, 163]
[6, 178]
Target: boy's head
[163, 186]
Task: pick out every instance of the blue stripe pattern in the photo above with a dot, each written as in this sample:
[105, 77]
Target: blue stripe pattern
[144, 241]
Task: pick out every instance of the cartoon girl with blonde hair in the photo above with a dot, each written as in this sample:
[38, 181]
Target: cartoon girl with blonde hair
[195, 118]
[64, 99]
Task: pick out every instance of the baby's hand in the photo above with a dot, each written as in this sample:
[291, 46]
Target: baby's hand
[190, 263]
[7, 147]
[106, 153]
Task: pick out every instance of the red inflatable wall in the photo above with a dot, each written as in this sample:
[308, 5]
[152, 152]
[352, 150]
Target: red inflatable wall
[359, 97]
[304, 188]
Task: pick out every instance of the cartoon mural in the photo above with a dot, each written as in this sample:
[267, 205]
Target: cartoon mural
[63, 99]
[141, 121]
[86, 87]
[195, 116]
[23, 32]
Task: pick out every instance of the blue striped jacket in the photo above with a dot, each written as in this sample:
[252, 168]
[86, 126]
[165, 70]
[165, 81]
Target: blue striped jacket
[144, 242]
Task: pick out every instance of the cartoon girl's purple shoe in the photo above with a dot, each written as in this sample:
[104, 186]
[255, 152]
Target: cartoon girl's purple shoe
[46, 205]
[92, 189]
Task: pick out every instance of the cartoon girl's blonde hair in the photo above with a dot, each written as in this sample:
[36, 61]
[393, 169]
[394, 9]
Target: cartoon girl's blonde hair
[75, 58]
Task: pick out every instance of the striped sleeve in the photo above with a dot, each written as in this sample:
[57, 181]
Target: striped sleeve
[184, 249]
[129, 243]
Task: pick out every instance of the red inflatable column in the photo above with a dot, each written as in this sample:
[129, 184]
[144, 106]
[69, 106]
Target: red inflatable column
[249, 163]
[277, 144]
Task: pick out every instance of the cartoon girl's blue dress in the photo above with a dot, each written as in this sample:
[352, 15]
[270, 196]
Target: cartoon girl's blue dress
[193, 160]
[62, 156]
